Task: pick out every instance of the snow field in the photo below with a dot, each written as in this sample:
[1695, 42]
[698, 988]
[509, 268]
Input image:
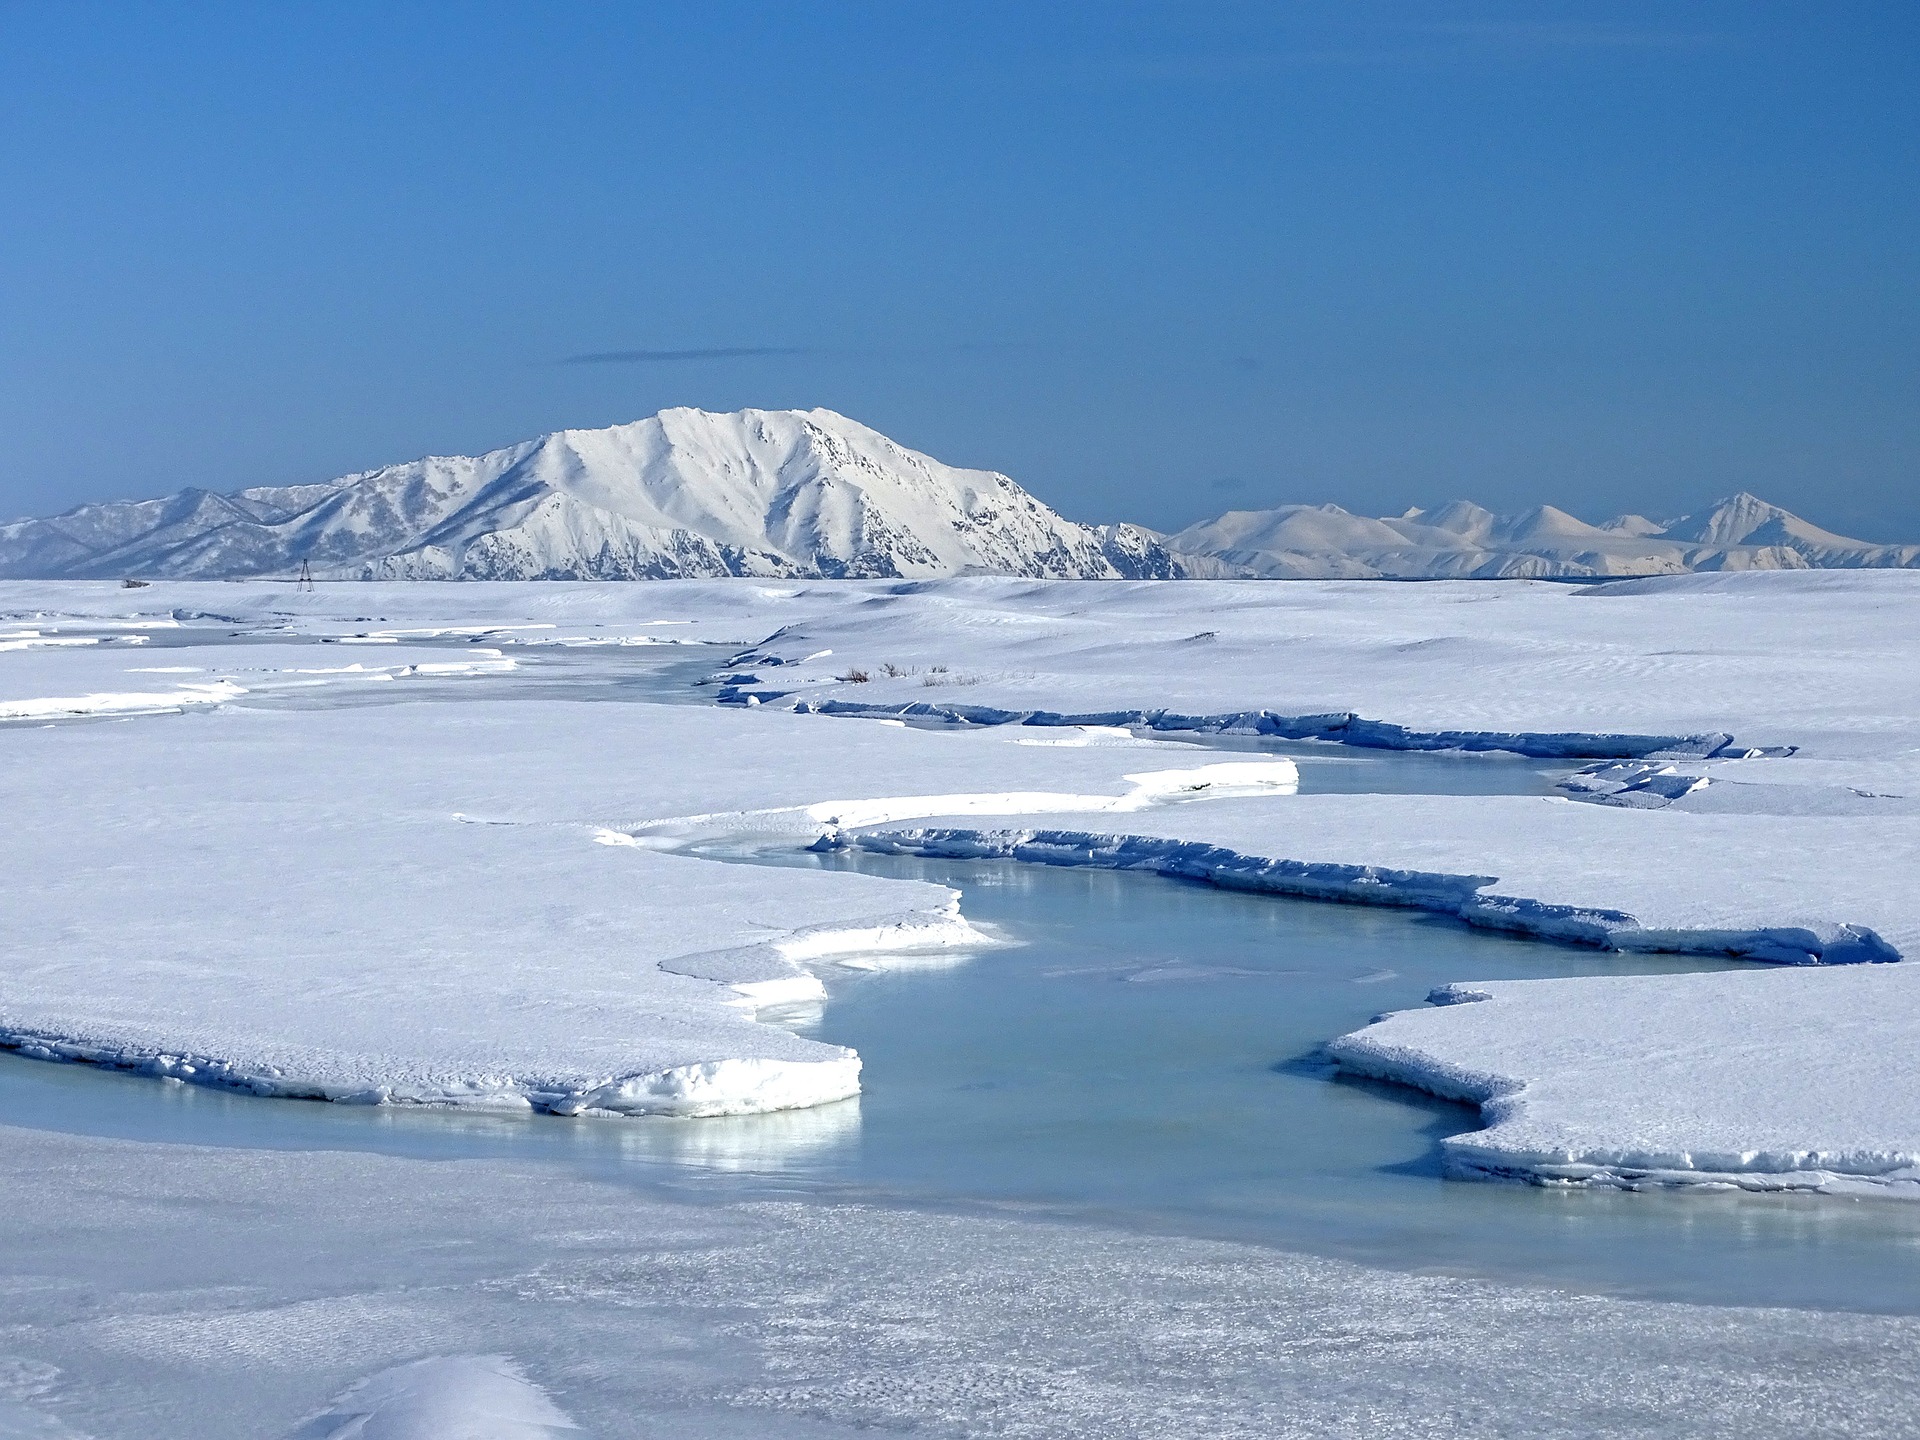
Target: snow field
[406, 904]
[1793, 697]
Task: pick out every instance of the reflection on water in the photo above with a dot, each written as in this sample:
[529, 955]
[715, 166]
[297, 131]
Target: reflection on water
[815, 1140]
[1150, 1054]
[1329, 768]
[86, 1100]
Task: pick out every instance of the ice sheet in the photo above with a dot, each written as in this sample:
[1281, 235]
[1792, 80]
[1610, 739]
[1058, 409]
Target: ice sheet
[1794, 697]
[230, 1295]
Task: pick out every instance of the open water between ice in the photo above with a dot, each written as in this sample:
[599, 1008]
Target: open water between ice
[1144, 1054]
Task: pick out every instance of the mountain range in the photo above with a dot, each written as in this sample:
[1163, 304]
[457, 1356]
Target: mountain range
[1463, 541]
[812, 494]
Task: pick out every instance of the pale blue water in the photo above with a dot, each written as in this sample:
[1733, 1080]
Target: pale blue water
[1145, 1058]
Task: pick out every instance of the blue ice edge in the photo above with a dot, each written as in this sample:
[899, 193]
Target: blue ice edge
[1462, 897]
[1340, 727]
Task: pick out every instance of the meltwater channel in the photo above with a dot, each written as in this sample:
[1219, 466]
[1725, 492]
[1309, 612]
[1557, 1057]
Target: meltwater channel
[1143, 1053]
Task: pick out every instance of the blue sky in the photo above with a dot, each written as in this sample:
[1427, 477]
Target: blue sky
[1155, 261]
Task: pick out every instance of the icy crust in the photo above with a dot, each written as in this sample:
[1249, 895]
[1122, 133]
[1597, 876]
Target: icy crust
[714, 1087]
[342, 1273]
[1342, 728]
[775, 975]
[1606, 1082]
[1456, 895]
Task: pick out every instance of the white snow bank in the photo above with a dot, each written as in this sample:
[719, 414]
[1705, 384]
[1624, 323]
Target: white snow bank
[1145, 789]
[1778, 1080]
[121, 702]
[1791, 889]
[1148, 788]
[455, 1397]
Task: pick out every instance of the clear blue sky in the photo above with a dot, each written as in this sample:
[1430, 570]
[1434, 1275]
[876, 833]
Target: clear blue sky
[1155, 261]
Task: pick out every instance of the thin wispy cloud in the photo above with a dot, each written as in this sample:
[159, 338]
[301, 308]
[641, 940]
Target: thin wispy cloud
[746, 352]
[667, 357]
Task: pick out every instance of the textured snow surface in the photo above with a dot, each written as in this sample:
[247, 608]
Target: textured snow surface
[232, 1294]
[684, 493]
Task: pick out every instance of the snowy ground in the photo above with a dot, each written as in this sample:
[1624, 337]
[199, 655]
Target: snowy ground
[430, 902]
[1771, 809]
[427, 904]
[428, 879]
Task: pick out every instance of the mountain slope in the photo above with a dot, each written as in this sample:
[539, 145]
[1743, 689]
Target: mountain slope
[1463, 541]
[685, 493]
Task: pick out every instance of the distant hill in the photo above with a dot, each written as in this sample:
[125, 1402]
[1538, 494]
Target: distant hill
[776, 493]
[1462, 541]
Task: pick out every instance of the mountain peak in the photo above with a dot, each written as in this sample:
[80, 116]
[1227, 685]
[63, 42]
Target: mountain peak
[685, 492]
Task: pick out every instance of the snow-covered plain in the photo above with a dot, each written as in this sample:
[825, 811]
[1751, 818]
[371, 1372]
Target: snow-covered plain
[443, 904]
[449, 886]
[1794, 698]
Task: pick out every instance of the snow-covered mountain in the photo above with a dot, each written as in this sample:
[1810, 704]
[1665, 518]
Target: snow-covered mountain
[1463, 541]
[812, 494]
[685, 493]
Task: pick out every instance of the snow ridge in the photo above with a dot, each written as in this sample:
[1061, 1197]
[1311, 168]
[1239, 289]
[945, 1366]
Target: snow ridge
[1343, 728]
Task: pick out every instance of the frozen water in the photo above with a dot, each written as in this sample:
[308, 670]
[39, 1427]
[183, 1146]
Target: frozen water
[1034, 1220]
[1145, 1058]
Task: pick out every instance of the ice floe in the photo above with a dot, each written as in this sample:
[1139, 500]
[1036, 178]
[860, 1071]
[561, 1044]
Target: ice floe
[406, 905]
